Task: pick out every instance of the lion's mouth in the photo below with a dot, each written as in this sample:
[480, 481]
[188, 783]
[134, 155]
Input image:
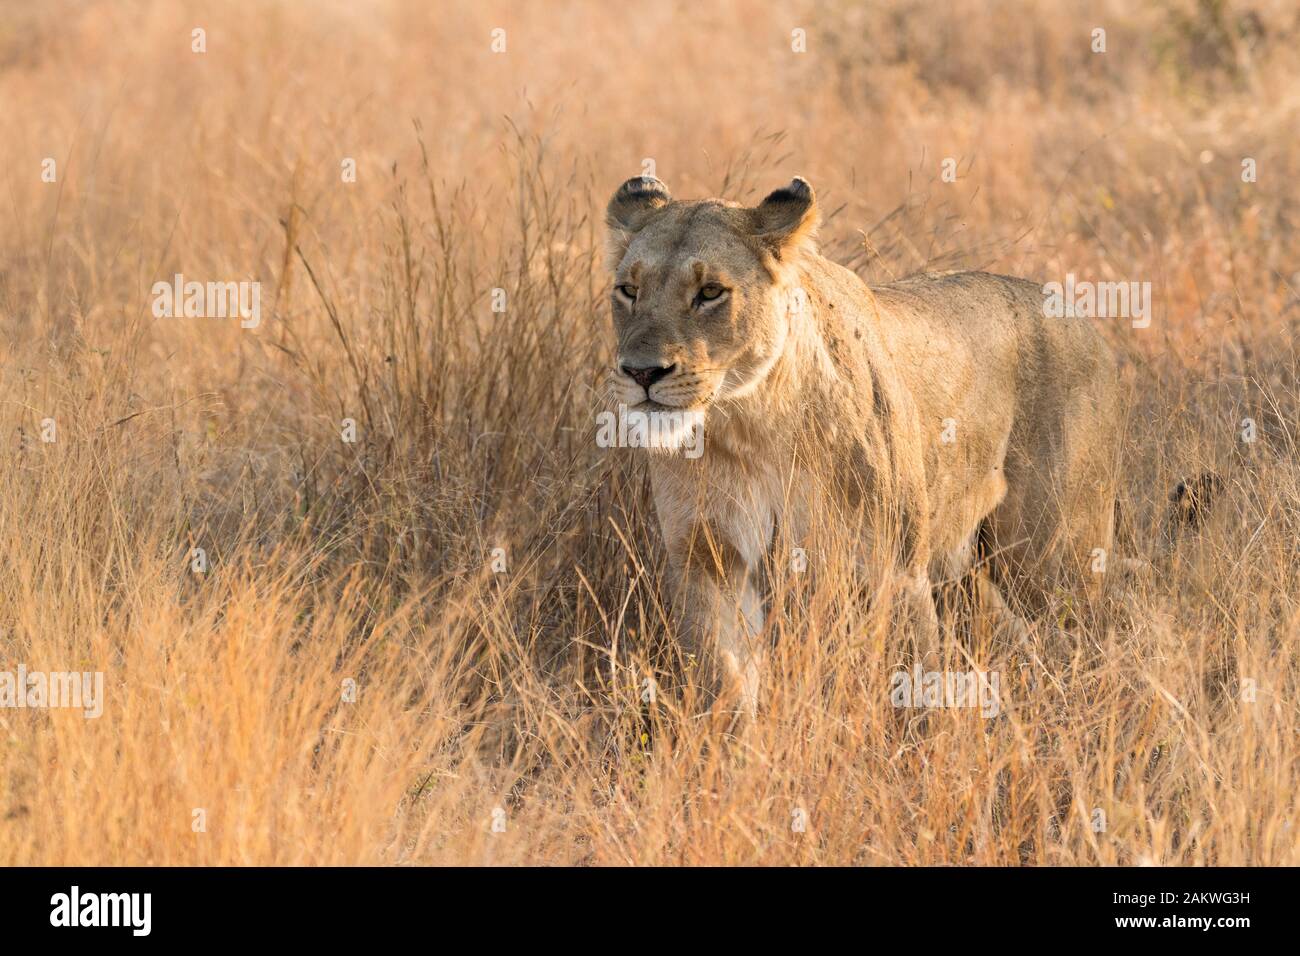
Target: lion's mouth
[652, 407]
[633, 397]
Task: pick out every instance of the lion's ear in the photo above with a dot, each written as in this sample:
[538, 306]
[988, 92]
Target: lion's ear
[787, 217]
[634, 201]
[633, 204]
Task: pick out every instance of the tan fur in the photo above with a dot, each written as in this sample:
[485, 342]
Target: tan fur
[821, 392]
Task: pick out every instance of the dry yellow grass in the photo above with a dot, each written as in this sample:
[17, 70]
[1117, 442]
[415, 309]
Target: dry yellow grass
[516, 697]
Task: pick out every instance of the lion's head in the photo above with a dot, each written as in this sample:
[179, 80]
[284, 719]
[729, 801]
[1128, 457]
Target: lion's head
[700, 293]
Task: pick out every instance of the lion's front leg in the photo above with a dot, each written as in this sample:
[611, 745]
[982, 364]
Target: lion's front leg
[720, 608]
[918, 597]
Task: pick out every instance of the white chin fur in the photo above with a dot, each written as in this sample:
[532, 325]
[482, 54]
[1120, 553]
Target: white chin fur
[675, 430]
[664, 431]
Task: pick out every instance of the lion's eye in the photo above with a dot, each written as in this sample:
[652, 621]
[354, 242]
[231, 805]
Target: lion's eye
[710, 292]
[627, 291]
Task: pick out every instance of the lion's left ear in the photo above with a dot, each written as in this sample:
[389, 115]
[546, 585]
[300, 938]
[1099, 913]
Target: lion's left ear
[788, 217]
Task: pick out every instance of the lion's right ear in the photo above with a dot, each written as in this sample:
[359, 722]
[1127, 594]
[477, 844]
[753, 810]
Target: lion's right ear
[633, 204]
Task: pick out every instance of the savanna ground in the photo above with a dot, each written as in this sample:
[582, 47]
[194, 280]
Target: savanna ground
[1166, 730]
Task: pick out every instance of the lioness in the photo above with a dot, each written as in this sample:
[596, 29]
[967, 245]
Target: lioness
[941, 411]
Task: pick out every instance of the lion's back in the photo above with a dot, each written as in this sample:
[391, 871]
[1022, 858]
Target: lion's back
[991, 327]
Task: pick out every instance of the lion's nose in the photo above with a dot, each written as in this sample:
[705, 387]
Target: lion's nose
[645, 377]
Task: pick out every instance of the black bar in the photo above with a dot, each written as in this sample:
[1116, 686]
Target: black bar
[333, 906]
